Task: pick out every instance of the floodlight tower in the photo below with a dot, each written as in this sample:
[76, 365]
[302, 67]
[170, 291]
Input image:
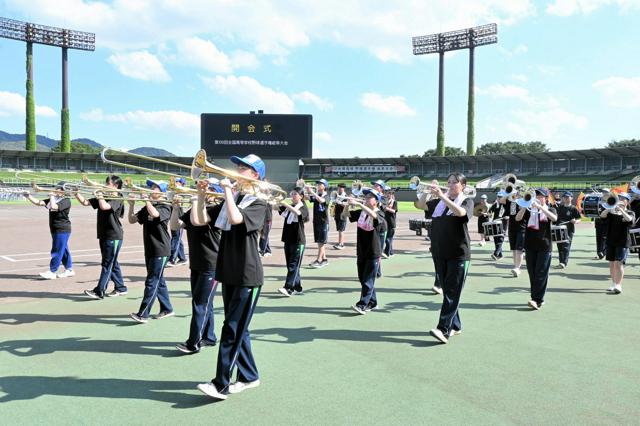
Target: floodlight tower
[52, 36]
[468, 38]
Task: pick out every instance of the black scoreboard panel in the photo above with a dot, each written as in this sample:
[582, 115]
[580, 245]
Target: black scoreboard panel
[266, 135]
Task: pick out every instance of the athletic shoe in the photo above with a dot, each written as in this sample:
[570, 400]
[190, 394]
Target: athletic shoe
[138, 318]
[359, 309]
[453, 332]
[599, 256]
[384, 255]
[338, 246]
[438, 335]
[48, 275]
[515, 272]
[324, 262]
[182, 262]
[533, 305]
[238, 387]
[116, 293]
[211, 390]
[170, 265]
[182, 347]
[204, 343]
[436, 290]
[612, 288]
[298, 292]
[92, 294]
[370, 307]
[67, 273]
[617, 289]
[284, 292]
[164, 314]
[267, 254]
[315, 264]
[481, 243]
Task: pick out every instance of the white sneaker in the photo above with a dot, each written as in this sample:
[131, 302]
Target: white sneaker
[617, 289]
[438, 335]
[612, 287]
[436, 290]
[238, 387]
[384, 256]
[284, 291]
[358, 309]
[533, 305]
[453, 332]
[515, 272]
[267, 254]
[562, 266]
[67, 273]
[48, 275]
[211, 390]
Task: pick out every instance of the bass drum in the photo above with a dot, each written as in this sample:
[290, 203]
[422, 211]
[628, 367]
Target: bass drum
[591, 205]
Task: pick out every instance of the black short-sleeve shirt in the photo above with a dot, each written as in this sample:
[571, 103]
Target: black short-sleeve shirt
[108, 224]
[634, 206]
[537, 239]
[512, 209]
[449, 234]
[337, 212]
[320, 210]
[293, 233]
[618, 230]
[565, 214]
[155, 230]
[238, 260]
[430, 207]
[389, 216]
[203, 241]
[59, 219]
[368, 234]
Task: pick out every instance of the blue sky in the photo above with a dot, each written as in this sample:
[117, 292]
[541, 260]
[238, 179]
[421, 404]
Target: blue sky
[566, 72]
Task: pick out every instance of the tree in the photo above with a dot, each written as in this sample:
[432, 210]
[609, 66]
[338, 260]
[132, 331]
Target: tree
[449, 151]
[30, 118]
[79, 148]
[623, 143]
[511, 147]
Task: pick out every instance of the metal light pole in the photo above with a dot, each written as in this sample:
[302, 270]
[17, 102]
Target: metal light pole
[52, 36]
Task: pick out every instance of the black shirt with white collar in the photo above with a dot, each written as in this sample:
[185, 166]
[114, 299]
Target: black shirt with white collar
[449, 234]
[293, 227]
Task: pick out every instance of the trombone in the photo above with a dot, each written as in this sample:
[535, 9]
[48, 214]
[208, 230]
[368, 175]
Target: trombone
[104, 152]
[185, 191]
[261, 189]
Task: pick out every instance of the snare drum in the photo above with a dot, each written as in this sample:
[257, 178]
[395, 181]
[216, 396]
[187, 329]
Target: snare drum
[494, 228]
[559, 234]
[418, 225]
[634, 236]
[591, 205]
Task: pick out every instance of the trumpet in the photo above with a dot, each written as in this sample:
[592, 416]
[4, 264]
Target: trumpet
[610, 202]
[356, 188]
[261, 189]
[300, 183]
[528, 199]
[421, 188]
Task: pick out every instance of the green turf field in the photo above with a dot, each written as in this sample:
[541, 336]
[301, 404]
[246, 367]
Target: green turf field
[68, 360]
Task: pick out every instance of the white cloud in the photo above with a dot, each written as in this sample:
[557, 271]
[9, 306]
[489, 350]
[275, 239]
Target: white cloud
[505, 91]
[585, 7]
[546, 124]
[518, 50]
[174, 121]
[313, 99]
[322, 137]
[14, 104]
[249, 94]
[203, 54]
[620, 92]
[276, 27]
[520, 77]
[140, 65]
[391, 105]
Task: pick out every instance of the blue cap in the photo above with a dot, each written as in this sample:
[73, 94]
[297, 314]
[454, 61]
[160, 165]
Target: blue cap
[181, 180]
[379, 182]
[367, 191]
[567, 194]
[252, 161]
[160, 184]
[483, 196]
[214, 185]
[624, 195]
[542, 191]
[501, 193]
[324, 182]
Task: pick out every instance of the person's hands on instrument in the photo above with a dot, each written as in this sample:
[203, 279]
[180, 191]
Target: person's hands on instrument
[131, 200]
[202, 185]
[226, 183]
[99, 195]
[436, 191]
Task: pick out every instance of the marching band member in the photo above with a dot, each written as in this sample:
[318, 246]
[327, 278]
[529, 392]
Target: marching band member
[154, 218]
[516, 233]
[341, 224]
[204, 243]
[240, 271]
[60, 227]
[498, 212]
[450, 238]
[177, 256]
[320, 221]
[634, 206]
[369, 219]
[618, 220]
[295, 215]
[110, 236]
[537, 244]
[601, 232]
[429, 207]
[390, 212]
[483, 217]
[568, 215]
[263, 247]
[380, 186]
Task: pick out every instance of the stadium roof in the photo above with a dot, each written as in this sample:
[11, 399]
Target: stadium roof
[580, 154]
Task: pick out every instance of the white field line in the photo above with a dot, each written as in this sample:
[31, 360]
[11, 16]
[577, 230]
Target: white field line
[74, 257]
[46, 252]
[7, 258]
